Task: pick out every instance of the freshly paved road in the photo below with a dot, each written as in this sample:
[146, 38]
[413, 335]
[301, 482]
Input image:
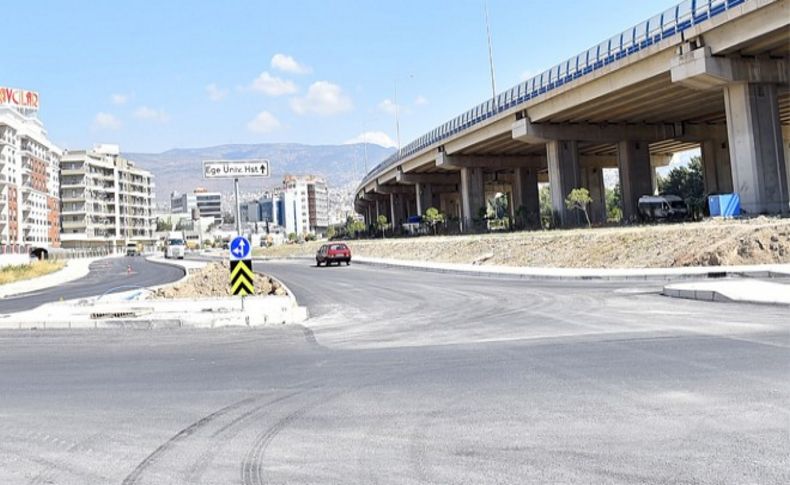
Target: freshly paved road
[409, 378]
[108, 275]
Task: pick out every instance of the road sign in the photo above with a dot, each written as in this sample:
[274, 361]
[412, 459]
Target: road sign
[235, 169]
[241, 277]
[239, 248]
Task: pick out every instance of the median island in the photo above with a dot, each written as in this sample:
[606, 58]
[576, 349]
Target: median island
[211, 281]
[712, 242]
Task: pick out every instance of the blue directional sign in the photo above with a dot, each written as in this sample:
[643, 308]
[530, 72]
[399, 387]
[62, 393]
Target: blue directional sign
[239, 248]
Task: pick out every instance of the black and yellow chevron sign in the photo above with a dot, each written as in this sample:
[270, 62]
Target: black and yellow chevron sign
[241, 277]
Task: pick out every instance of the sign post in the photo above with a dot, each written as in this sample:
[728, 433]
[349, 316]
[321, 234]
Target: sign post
[235, 169]
[241, 275]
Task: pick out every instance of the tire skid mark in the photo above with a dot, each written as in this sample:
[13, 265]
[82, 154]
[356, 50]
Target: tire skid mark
[198, 468]
[152, 458]
[252, 466]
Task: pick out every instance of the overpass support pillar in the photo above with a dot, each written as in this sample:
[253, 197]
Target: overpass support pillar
[424, 193]
[525, 195]
[472, 195]
[393, 210]
[592, 180]
[759, 171]
[564, 176]
[716, 170]
[633, 160]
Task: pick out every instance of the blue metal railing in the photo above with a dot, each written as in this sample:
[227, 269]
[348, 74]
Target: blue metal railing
[667, 24]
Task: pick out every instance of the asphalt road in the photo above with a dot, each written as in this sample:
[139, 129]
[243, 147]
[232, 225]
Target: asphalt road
[406, 378]
[109, 275]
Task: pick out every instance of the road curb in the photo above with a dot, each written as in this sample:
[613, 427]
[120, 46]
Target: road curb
[757, 292]
[581, 274]
[52, 279]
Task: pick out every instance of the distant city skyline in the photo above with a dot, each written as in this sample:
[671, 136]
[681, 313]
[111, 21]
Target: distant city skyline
[152, 76]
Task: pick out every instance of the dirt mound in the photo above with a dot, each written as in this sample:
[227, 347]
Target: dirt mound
[764, 245]
[713, 242]
[213, 280]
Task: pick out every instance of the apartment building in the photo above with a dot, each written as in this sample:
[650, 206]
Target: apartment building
[106, 200]
[305, 204]
[29, 204]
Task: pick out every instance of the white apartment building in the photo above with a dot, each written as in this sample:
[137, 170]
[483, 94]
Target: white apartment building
[29, 204]
[107, 202]
[305, 205]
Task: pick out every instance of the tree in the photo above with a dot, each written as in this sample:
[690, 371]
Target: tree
[432, 217]
[330, 232]
[163, 225]
[292, 236]
[381, 224]
[579, 199]
[613, 210]
[546, 209]
[358, 227]
[686, 183]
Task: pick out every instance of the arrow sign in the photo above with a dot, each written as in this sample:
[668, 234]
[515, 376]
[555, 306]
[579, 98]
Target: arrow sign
[239, 248]
[242, 279]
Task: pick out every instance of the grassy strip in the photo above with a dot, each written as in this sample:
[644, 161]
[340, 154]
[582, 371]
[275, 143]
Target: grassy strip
[11, 274]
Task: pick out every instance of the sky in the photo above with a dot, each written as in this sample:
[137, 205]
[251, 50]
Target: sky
[154, 75]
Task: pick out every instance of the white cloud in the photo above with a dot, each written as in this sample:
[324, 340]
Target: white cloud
[387, 106]
[286, 63]
[377, 137]
[119, 99]
[106, 121]
[272, 85]
[323, 98]
[420, 101]
[146, 113]
[265, 122]
[216, 93]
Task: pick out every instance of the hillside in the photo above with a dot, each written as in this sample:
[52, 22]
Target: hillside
[181, 169]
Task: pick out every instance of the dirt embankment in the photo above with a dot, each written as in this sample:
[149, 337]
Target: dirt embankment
[710, 243]
[213, 280]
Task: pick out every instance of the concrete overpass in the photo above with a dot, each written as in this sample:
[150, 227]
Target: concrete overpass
[706, 73]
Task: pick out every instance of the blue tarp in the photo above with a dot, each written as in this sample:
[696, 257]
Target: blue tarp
[724, 205]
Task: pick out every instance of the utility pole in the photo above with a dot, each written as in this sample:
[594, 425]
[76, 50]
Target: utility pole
[490, 53]
[397, 118]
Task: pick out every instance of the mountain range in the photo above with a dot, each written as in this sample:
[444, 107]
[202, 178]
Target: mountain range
[181, 169]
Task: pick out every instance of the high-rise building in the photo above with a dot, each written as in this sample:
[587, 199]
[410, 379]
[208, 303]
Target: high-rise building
[106, 200]
[29, 204]
[305, 204]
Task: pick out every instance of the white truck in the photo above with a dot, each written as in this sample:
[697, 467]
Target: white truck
[175, 246]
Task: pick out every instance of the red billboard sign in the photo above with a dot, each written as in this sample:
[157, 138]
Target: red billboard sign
[19, 97]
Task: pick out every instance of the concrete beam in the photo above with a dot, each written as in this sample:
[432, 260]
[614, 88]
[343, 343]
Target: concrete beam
[479, 135]
[427, 178]
[538, 133]
[456, 162]
[699, 69]
[394, 189]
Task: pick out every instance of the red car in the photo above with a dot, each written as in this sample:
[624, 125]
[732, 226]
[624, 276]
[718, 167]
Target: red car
[333, 253]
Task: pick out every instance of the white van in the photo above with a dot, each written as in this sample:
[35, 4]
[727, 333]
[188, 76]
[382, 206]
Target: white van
[662, 207]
